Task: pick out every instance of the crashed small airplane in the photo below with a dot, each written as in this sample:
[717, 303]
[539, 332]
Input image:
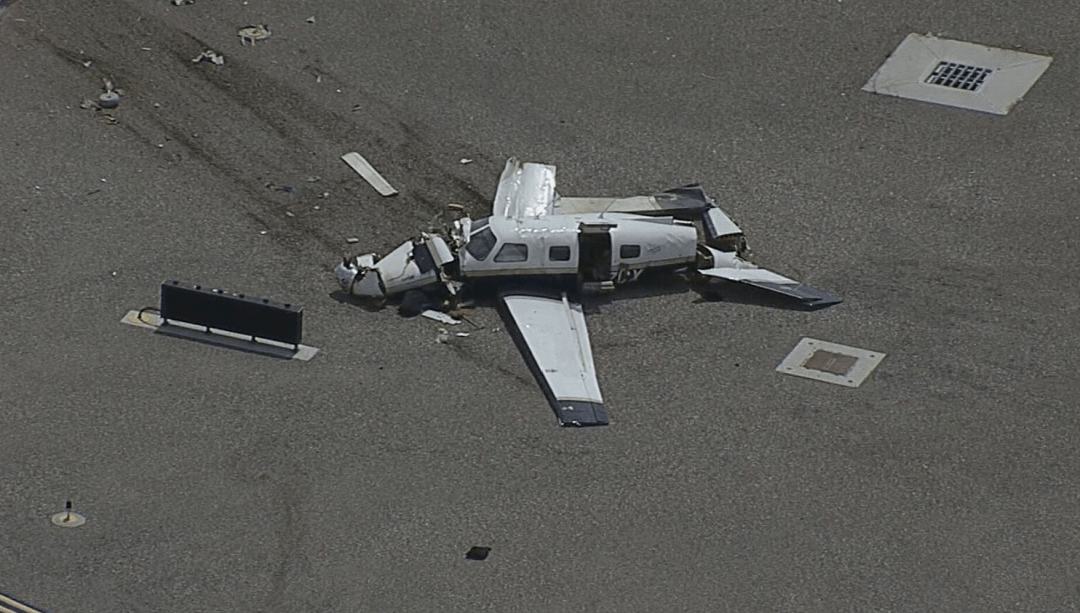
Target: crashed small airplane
[542, 253]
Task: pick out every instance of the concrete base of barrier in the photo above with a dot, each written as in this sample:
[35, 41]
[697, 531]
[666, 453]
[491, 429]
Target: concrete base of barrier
[221, 338]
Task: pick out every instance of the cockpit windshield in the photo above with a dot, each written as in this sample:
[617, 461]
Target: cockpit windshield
[481, 243]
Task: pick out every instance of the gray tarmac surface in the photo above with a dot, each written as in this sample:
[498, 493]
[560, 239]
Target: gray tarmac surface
[220, 480]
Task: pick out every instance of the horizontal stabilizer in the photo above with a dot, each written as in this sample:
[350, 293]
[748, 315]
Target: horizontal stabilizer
[732, 268]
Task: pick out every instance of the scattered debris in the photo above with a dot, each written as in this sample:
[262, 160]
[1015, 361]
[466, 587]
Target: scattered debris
[357, 107]
[461, 334]
[288, 189]
[88, 63]
[443, 337]
[290, 214]
[440, 317]
[365, 170]
[210, 56]
[250, 34]
[313, 178]
[182, 2]
[324, 195]
[352, 240]
[466, 160]
[310, 19]
[263, 232]
[478, 553]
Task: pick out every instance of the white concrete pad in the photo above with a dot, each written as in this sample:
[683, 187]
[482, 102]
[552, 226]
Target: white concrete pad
[957, 73]
[152, 321]
[830, 362]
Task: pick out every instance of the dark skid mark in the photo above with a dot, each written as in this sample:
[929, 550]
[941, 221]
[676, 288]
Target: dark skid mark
[255, 128]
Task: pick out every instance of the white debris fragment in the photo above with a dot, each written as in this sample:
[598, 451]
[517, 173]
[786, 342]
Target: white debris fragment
[461, 334]
[365, 170]
[443, 337]
[290, 214]
[182, 2]
[352, 240]
[88, 63]
[210, 56]
[440, 317]
[263, 232]
[466, 160]
[310, 19]
[250, 34]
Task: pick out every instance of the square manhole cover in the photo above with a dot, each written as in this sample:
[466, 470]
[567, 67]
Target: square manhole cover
[956, 73]
[829, 362]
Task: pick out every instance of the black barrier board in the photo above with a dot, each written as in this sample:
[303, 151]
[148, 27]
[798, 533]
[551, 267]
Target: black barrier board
[238, 313]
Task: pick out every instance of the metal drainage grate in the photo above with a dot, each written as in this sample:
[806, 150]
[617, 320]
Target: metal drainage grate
[958, 73]
[834, 363]
[959, 76]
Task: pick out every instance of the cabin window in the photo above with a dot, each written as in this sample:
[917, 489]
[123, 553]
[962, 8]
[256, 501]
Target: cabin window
[629, 252]
[513, 252]
[481, 243]
[559, 253]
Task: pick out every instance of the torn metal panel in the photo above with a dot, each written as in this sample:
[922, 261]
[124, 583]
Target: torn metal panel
[525, 190]
[368, 172]
[958, 73]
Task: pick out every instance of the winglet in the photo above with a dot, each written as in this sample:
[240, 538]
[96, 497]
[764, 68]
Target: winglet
[580, 413]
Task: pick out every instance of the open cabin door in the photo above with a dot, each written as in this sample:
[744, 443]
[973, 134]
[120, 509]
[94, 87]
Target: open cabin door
[594, 255]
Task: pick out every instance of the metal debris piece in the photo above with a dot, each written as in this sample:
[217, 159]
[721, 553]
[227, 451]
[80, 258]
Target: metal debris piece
[109, 100]
[210, 56]
[312, 179]
[365, 170]
[310, 19]
[250, 34]
[478, 553]
[466, 160]
[182, 2]
[87, 104]
[443, 337]
[461, 334]
[88, 63]
[290, 214]
[352, 240]
[440, 317]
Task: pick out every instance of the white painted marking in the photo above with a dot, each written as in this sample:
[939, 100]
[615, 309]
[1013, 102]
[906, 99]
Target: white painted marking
[10, 605]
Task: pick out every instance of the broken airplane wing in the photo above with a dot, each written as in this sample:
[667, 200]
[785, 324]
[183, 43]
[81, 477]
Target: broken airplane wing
[552, 336]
